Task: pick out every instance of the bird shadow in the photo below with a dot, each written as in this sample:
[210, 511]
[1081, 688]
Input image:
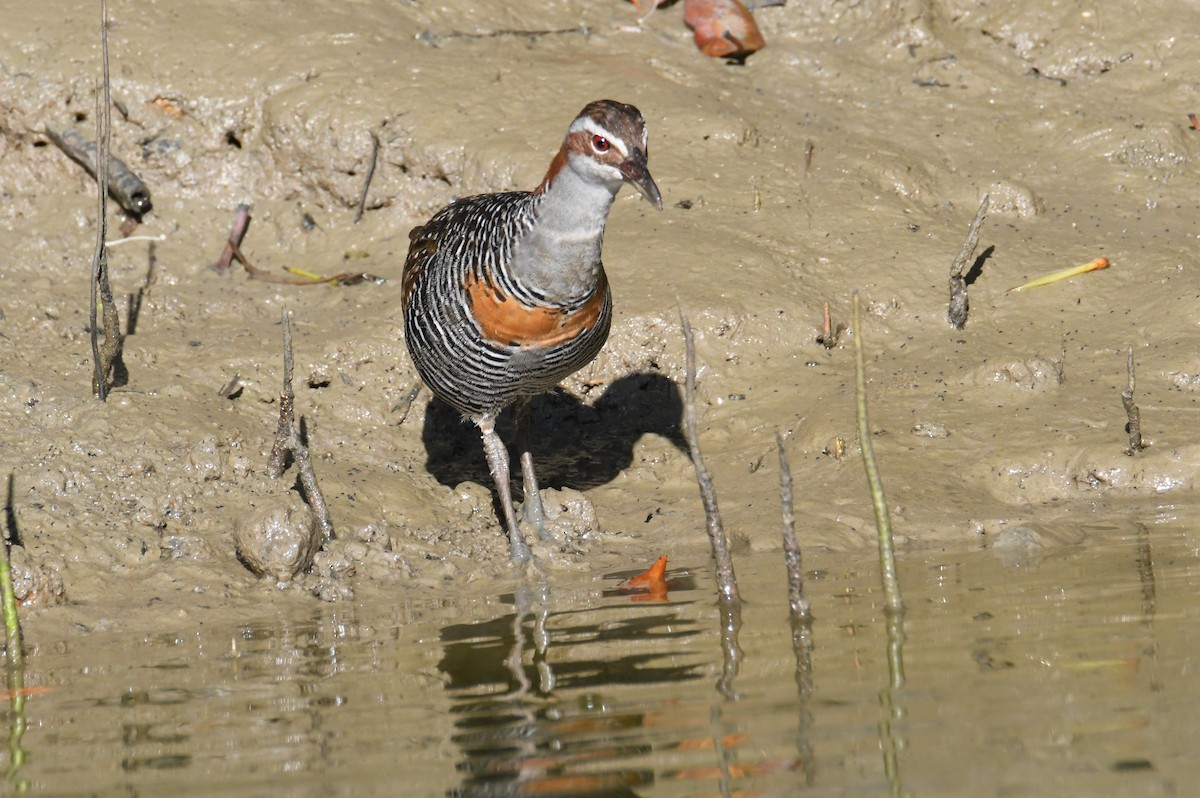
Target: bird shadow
[574, 444]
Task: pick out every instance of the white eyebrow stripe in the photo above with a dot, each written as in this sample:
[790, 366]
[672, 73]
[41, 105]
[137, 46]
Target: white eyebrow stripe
[594, 127]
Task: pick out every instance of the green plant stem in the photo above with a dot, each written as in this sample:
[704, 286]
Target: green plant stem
[883, 522]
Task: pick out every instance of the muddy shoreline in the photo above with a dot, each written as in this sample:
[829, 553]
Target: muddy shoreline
[1007, 433]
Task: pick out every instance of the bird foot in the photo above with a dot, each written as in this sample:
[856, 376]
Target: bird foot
[534, 514]
[520, 551]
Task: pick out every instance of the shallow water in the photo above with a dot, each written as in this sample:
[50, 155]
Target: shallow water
[848, 155]
[1067, 673]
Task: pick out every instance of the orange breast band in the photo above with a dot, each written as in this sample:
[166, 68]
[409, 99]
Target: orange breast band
[504, 320]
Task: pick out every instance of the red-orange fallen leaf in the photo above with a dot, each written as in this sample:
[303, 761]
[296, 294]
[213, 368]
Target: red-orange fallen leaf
[723, 28]
[651, 576]
[653, 581]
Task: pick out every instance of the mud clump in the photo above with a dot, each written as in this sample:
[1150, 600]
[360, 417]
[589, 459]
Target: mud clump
[279, 541]
[36, 581]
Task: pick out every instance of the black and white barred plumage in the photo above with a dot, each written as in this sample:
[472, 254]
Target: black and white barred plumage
[505, 294]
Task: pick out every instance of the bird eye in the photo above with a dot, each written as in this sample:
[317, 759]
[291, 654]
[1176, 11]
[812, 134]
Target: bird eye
[600, 144]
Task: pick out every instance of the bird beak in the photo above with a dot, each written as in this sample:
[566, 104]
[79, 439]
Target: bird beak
[636, 174]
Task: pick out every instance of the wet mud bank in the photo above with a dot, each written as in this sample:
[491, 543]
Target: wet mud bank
[850, 154]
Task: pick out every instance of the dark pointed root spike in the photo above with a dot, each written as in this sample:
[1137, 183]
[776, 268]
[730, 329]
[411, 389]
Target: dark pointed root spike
[287, 440]
[1132, 413]
[798, 605]
[957, 312]
[727, 587]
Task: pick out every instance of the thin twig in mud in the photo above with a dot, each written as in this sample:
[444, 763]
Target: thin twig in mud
[100, 256]
[958, 284]
[431, 38]
[233, 251]
[101, 290]
[110, 352]
[287, 399]
[126, 187]
[233, 242]
[405, 404]
[727, 587]
[287, 441]
[99, 264]
[362, 198]
[12, 623]
[116, 242]
[1132, 413]
[830, 334]
[14, 651]
[791, 549]
[883, 522]
[232, 389]
[305, 277]
[800, 613]
[808, 155]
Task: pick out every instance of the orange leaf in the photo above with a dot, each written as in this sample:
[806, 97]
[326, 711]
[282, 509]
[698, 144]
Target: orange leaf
[653, 581]
[654, 575]
[723, 28]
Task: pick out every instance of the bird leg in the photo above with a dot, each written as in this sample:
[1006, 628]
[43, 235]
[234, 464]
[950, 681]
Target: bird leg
[531, 509]
[497, 457]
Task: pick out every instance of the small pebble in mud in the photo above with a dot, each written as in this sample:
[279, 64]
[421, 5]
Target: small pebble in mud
[332, 569]
[204, 459]
[36, 581]
[1017, 537]
[1017, 546]
[279, 541]
[1014, 198]
[930, 429]
[570, 516]
[186, 547]
[1031, 374]
[472, 500]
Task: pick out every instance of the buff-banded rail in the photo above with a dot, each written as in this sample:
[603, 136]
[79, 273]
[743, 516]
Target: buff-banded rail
[505, 294]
